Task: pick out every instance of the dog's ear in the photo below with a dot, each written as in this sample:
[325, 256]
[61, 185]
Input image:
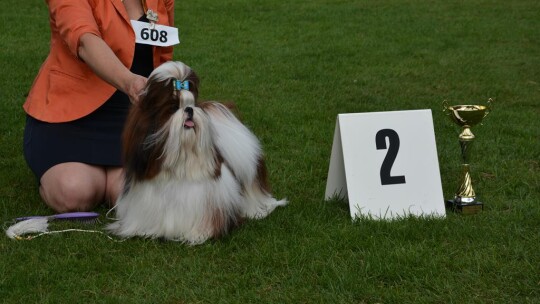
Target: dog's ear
[159, 100]
[141, 158]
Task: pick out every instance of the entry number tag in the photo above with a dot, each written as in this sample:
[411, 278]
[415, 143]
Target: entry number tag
[156, 34]
[386, 165]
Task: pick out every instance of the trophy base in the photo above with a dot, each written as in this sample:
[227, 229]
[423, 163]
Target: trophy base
[470, 208]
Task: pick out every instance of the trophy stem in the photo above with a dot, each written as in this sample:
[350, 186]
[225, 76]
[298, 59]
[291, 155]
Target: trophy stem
[466, 142]
[465, 193]
[465, 198]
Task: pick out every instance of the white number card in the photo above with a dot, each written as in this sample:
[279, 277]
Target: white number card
[155, 34]
[386, 165]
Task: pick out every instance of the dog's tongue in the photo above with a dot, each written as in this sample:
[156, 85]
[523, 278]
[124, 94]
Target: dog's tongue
[189, 124]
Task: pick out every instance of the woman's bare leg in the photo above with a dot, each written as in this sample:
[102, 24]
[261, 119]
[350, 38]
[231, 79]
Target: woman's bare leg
[72, 186]
[115, 184]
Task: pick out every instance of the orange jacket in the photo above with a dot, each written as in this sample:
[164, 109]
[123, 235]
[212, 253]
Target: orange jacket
[66, 88]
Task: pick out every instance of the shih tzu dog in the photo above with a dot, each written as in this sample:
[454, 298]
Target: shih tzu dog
[193, 171]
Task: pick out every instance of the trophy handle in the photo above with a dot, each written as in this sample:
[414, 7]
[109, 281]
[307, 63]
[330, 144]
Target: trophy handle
[445, 107]
[489, 107]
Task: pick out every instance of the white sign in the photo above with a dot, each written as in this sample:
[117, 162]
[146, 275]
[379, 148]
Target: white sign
[155, 34]
[386, 165]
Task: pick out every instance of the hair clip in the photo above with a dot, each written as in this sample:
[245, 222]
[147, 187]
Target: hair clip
[180, 85]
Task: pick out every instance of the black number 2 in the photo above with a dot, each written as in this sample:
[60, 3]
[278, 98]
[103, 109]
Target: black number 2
[393, 148]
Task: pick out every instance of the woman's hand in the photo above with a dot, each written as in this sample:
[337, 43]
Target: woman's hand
[135, 88]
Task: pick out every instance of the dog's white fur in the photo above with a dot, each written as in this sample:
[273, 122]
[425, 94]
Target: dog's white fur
[208, 175]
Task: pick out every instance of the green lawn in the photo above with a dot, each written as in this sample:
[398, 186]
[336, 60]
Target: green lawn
[291, 67]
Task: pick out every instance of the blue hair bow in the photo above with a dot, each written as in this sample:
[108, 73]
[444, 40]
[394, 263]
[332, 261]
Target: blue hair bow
[181, 85]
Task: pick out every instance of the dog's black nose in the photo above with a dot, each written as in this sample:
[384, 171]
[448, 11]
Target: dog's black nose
[189, 111]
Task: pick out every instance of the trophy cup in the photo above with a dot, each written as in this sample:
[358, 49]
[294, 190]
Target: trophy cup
[466, 116]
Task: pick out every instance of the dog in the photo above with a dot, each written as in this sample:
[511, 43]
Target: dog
[193, 171]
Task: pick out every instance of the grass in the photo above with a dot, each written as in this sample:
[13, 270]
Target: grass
[292, 66]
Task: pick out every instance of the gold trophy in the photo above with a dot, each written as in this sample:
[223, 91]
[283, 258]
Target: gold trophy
[466, 116]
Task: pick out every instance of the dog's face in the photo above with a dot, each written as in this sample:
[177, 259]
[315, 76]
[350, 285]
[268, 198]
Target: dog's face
[189, 152]
[166, 131]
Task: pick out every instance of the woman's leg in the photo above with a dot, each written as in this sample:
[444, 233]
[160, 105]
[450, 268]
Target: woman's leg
[115, 184]
[72, 186]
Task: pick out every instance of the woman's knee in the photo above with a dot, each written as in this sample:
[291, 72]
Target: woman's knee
[73, 188]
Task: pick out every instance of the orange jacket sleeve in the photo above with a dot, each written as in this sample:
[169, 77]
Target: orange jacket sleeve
[72, 18]
[66, 88]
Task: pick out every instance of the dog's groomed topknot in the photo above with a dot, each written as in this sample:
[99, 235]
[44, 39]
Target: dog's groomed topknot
[167, 73]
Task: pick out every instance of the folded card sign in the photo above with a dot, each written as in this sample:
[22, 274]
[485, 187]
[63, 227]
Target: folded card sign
[386, 165]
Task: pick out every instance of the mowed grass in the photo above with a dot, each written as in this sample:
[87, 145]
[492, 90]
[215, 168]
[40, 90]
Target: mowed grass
[291, 67]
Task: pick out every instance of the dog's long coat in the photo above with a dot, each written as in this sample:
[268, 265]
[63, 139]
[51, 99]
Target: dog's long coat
[193, 170]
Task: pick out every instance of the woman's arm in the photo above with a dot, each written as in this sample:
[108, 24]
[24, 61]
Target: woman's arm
[101, 59]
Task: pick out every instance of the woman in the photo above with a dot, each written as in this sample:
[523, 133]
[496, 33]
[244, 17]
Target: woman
[80, 98]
